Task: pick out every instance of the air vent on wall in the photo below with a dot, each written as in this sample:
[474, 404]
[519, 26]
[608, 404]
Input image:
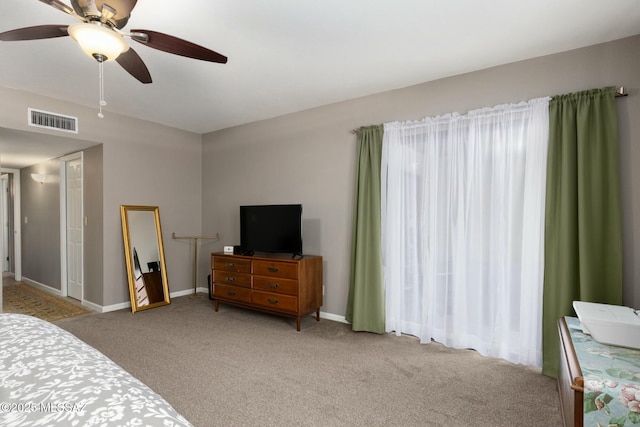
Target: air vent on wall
[48, 120]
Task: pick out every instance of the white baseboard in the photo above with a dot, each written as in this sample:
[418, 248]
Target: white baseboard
[333, 317]
[112, 307]
[185, 292]
[123, 305]
[42, 286]
[176, 294]
[85, 303]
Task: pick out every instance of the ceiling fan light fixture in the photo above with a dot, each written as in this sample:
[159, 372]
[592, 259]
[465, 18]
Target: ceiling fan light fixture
[98, 41]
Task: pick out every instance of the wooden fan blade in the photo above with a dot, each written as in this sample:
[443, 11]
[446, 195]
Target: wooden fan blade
[133, 64]
[176, 46]
[35, 33]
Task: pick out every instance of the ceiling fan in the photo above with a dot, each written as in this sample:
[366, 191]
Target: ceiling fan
[100, 35]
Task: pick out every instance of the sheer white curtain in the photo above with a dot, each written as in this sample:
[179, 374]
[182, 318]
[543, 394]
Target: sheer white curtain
[463, 229]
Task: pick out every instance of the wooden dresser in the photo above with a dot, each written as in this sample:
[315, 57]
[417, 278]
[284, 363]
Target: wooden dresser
[274, 284]
[598, 383]
[153, 286]
[570, 380]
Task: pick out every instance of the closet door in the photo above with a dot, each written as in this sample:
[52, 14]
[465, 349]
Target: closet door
[74, 228]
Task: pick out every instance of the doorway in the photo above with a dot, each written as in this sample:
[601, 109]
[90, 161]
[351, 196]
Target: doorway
[10, 248]
[9, 212]
[72, 225]
[4, 204]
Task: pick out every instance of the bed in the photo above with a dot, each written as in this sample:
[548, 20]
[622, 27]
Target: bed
[49, 377]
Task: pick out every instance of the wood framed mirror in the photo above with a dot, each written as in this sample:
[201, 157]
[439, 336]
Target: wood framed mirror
[144, 255]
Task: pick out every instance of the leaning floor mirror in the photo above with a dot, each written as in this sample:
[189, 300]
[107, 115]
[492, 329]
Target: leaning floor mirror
[144, 255]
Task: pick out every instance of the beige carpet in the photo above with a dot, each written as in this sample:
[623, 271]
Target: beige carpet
[242, 368]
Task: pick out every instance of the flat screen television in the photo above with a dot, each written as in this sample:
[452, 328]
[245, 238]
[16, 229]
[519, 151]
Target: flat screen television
[271, 228]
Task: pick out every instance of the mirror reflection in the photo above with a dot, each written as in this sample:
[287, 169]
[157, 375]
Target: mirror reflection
[144, 255]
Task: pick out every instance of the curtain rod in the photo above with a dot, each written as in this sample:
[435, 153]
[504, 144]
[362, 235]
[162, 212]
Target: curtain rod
[619, 93]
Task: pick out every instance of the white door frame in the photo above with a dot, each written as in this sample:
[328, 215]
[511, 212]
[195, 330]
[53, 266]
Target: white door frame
[63, 221]
[17, 223]
[1, 255]
[6, 227]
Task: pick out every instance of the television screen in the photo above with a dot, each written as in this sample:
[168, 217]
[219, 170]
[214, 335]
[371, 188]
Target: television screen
[271, 228]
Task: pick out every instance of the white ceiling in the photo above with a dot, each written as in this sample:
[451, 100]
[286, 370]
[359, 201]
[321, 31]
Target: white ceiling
[20, 149]
[290, 55]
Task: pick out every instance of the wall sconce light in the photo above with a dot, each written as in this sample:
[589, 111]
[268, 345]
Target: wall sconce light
[39, 177]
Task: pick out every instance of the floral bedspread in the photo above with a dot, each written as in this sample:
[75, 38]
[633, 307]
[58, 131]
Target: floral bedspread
[49, 377]
[611, 380]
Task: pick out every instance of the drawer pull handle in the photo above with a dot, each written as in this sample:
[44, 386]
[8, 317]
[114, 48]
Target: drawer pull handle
[272, 300]
[273, 285]
[230, 279]
[273, 269]
[230, 265]
[231, 293]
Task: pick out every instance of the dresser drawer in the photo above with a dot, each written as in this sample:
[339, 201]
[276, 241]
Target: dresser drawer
[275, 301]
[275, 284]
[287, 270]
[234, 293]
[231, 278]
[232, 264]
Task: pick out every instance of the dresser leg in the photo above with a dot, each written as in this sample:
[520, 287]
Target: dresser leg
[298, 323]
[318, 314]
[216, 304]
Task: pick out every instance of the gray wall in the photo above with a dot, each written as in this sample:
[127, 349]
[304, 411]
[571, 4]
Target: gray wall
[93, 236]
[40, 217]
[142, 163]
[309, 157]
[41, 258]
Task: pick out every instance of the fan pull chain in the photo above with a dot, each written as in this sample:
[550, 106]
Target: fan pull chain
[102, 102]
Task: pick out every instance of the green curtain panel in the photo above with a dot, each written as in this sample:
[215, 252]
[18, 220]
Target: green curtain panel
[583, 237]
[365, 305]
